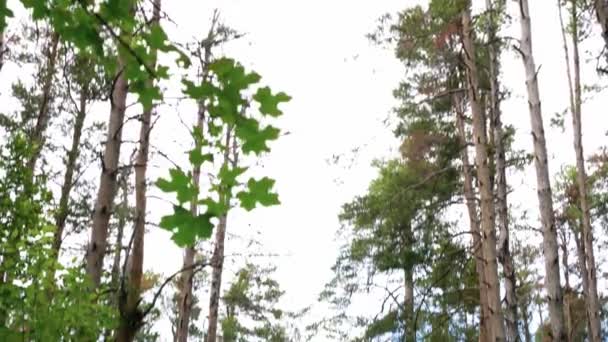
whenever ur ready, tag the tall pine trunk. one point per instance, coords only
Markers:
(130, 316)
(496, 320)
(593, 305)
(470, 200)
(589, 271)
(504, 248)
(550, 247)
(70, 167)
(96, 249)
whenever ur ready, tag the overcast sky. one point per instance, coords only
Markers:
(341, 86)
(316, 51)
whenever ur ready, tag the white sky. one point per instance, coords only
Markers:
(341, 85)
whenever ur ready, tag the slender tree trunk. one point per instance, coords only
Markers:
(45, 103)
(504, 249)
(130, 317)
(2, 49)
(68, 177)
(96, 249)
(550, 247)
(593, 305)
(216, 279)
(408, 303)
(185, 297)
(496, 320)
(567, 288)
(217, 260)
(469, 196)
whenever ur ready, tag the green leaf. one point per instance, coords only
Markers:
(269, 103)
(228, 175)
(254, 139)
(258, 192)
(197, 158)
(198, 92)
(179, 183)
(187, 228)
(157, 37)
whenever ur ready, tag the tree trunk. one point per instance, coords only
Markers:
(408, 303)
(217, 260)
(68, 178)
(504, 249)
(469, 196)
(593, 305)
(550, 248)
(216, 279)
(496, 320)
(526, 322)
(43, 109)
(96, 248)
(130, 317)
(185, 297)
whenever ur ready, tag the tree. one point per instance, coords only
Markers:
(251, 304)
(550, 246)
(575, 88)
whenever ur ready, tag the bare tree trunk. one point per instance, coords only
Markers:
(567, 287)
(526, 322)
(2, 49)
(185, 297)
(43, 109)
(408, 303)
(217, 260)
(469, 196)
(504, 250)
(96, 248)
(496, 320)
(130, 317)
(550, 247)
(68, 177)
(216, 279)
(593, 305)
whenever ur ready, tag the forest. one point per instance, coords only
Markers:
(396, 171)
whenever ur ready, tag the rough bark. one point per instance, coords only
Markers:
(582, 266)
(504, 249)
(68, 177)
(96, 249)
(469, 196)
(550, 247)
(42, 119)
(130, 316)
(496, 319)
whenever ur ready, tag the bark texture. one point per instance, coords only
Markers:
(589, 269)
(470, 200)
(131, 318)
(96, 250)
(550, 246)
(496, 319)
(502, 206)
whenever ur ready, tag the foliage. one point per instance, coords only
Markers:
(251, 307)
(226, 104)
